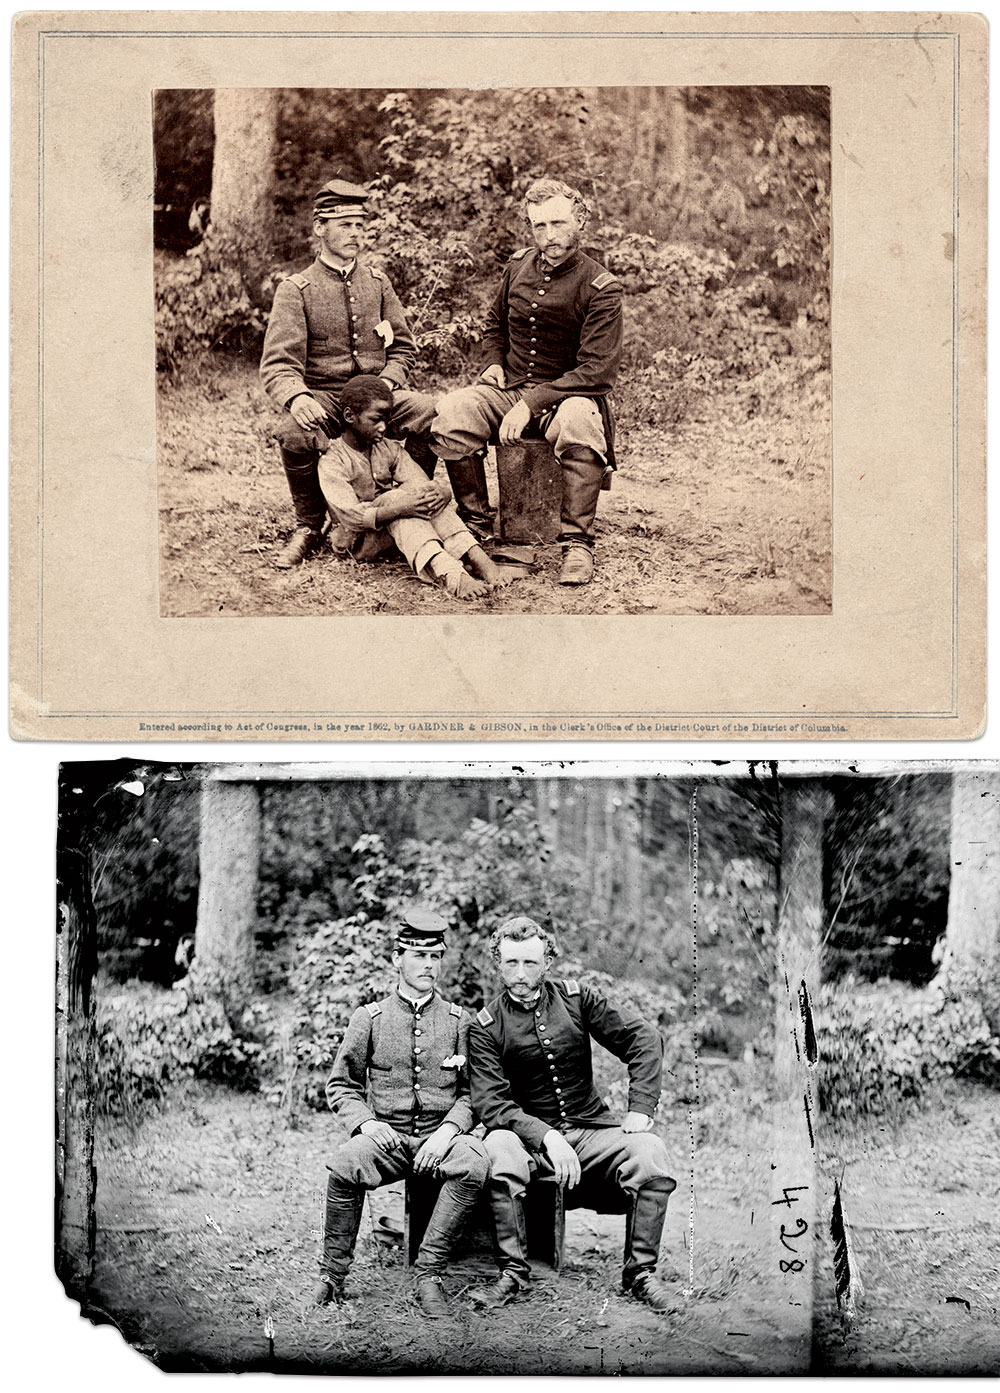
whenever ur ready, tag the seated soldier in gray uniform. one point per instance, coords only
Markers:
(338, 318)
(400, 1087)
(553, 346)
(533, 1087)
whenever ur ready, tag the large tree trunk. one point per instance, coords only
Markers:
(246, 128)
(229, 855)
(804, 809)
(972, 941)
(76, 1046)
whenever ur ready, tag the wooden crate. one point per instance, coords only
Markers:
(530, 485)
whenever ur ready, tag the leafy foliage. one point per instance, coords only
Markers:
(210, 298)
(712, 204)
(149, 1039)
(881, 1046)
(491, 871)
(888, 872)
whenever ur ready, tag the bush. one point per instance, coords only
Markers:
(880, 1047)
(149, 1039)
(210, 298)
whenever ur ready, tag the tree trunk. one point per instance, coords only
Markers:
(972, 941)
(242, 207)
(246, 126)
(76, 1048)
(675, 138)
(229, 855)
(804, 810)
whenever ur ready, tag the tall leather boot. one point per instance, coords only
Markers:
(472, 500)
(455, 1200)
(582, 476)
(418, 448)
(643, 1231)
(340, 1233)
(310, 507)
(510, 1247)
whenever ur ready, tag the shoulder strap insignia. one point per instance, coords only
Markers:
(376, 273)
(454, 1010)
(520, 253)
(572, 986)
(484, 1017)
(602, 281)
(373, 1009)
(299, 279)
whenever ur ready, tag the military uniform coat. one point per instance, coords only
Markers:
(391, 1066)
(327, 327)
(556, 331)
(531, 1068)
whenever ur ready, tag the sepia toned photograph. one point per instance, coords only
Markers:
(583, 333)
(545, 1071)
(591, 284)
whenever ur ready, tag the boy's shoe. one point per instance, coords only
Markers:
(302, 543)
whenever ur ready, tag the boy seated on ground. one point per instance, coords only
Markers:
(380, 498)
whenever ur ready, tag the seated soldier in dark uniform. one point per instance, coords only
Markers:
(533, 1087)
(400, 1087)
(338, 318)
(553, 346)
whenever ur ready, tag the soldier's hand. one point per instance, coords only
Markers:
(381, 1134)
(306, 412)
(513, 425)
(636, 1122)
(565, 1161)
(495, 376)
(432, 1153)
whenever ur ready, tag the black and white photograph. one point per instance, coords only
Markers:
(673, 322)
(531, 350)
(562, 1069)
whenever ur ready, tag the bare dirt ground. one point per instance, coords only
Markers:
(209, 1228)
(922, 1200)
(728, 513)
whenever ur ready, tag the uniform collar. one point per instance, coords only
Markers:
(528, 1006)
(343, 272)
(415, 1006)
(564, 266)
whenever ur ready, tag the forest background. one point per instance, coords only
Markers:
(711, 205)
(234, 919)
(237, 919)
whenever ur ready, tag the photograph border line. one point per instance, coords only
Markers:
(589, 36)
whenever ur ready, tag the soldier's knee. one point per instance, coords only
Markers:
(646, 1159)
(291, 437)
(469, 1157)
(352, 1162)
(507, 1157)
(577, 411)
(460, 419)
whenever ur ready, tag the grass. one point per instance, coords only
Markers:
(727, 513)
(208, 1225)
(921, 1198)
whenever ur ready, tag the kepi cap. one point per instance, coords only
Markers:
(420, 928)
(339, 199)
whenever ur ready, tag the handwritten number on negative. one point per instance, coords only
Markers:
(786, 1236)
(788, 1191)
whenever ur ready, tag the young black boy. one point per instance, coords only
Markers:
(380, 497)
